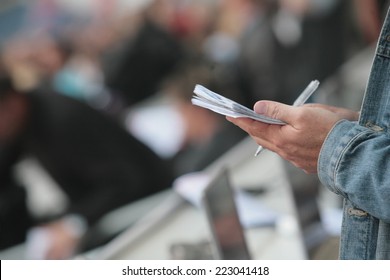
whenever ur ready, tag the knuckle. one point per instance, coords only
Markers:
(275, 112)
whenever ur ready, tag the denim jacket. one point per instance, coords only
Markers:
(354, 162)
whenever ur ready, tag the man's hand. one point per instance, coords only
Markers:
(301, 139)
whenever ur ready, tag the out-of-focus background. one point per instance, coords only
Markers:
(137, 61)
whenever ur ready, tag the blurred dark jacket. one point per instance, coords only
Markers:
(95, 161)
(148, 57)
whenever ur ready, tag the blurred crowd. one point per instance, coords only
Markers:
(116, 58)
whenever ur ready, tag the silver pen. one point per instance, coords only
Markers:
(302, 98)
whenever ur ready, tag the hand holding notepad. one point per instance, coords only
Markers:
(213, 101)
(210, 100)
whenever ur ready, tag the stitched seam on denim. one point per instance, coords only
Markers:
(383, 51)
(367, 233)
(366, 236)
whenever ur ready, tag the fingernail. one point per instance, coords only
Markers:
(260, 108)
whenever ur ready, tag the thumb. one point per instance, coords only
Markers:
(275, 110)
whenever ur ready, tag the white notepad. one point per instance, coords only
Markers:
(213, 101)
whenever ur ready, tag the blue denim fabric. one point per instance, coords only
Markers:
(354, 162)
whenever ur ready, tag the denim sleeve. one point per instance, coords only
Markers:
(354, 162)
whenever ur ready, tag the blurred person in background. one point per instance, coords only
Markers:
(146, 56)
(97, 164)
(290, 43)
(110, 60)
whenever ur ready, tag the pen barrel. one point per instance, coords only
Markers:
(305, 95)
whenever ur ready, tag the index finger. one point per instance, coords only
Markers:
(254, 128)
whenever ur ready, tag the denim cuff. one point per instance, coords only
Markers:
(332, 151)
